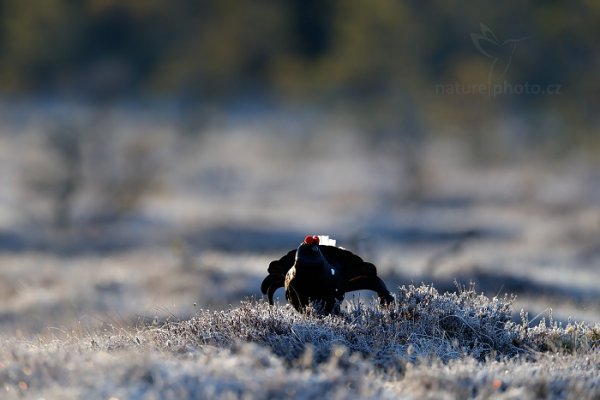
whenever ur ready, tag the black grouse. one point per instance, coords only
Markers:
(321, 274)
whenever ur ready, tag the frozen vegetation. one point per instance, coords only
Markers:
(452, 345)
(145, 284)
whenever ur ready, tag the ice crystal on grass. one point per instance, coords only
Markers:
(422, 324)
(428, 345)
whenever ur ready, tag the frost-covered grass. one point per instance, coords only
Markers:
(235, 196)
(422, 323)
(429, 345)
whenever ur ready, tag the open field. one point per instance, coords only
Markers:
(88, 279)
(429, 346)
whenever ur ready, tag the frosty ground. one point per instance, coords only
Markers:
(149, 304)
(460, 345)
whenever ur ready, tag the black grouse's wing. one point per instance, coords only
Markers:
(357, 274)
(349, 264)
(276, 278)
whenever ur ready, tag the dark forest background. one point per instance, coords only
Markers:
(382, 61)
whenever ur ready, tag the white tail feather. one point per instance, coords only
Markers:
(325, 240)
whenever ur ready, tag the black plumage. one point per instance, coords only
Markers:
(321, 275)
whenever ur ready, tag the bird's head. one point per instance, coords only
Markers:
(312, 240)
(308, 252)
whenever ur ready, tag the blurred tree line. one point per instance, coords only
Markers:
(379, 56)
(400, 69)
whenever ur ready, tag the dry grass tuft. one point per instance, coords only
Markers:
(429, 345)
(423, 323)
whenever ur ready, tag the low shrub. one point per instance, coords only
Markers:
(422, 324)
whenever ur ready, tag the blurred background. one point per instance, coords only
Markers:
(155, 156)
